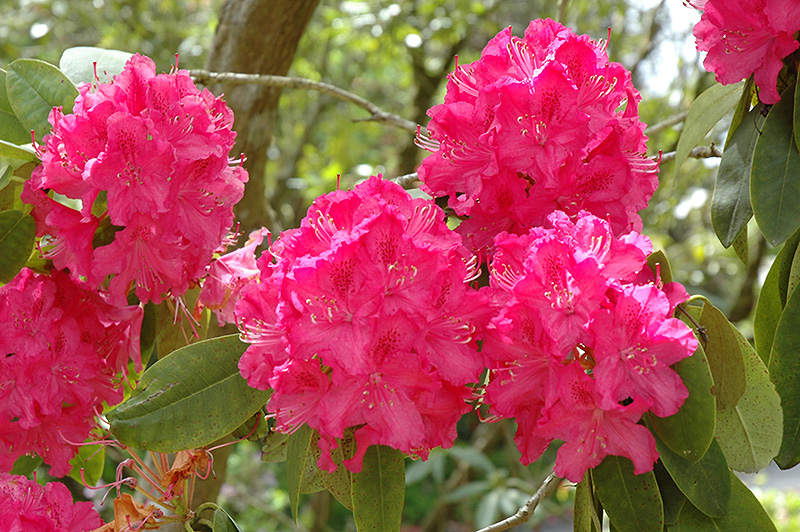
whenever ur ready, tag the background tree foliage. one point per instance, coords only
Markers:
(397, 54)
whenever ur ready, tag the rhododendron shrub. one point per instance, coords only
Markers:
(540, 123)
(744, 37)
(145, 160)
(62, 347)
(26, 506)
(584, 342)
(363, 318)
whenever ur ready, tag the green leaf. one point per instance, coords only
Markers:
(690, 431)
(796, 114)
(586, 518)
(730, 205)
(275, 448)
(17, 233)
(13, 151)
(705, 112)
(786, 257)
(26, 464)
(299, 453)
(188, 399)
(671, 495)
(34, 88)
(223, 522)
(745, 514)
(742, 108)
(750, 433)
(339, 483)
(10, 127)
(741, 247)
(632, 502)
(175, 330)
(92, 459)
(775, 177)
(794, 273)
(658, 262)
(724, 355)
(379, 490)
(706, 482)
(78, 63)
(768, 311)
(784, 370)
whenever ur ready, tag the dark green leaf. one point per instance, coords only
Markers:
(796, 114)
(299, 453)
(706, 483)
(690, 431)
(223, 522)
(92, 459)
(742, 108)
(188, 399)
(586, 515)
(632, 502)
(339, 483)
(786, 257)
(658, 262)
(775, 177)
(10, 127)
(26, 464)
(671, 495)
(34, 88)
(745, 514)
(750, 433)
(768, 311)
(17, 233)
(275, 448)
(724, 355)
(379, 490)
(784, 370)
(78, 63)
(175, 331)
(730, 205)
(311, 481)
(705, 112)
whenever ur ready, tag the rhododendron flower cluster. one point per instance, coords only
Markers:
(540, 123)
(362, 318)
(25, 506)
(583, 343)
(147, 157)
(744, 37)
(61, 348)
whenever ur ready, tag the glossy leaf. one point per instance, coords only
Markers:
(632, 502)
(744, 514)
(379, 490)
(750, 433)
(26, 464)
(705, 112)
(92, 459)
(11, 129)
(768, 311)
(17, 233)
(706, 482)
(299, 453)
(724, 355)
(658, 262)
(690, 431)
(730, 205)
(13, 151)
(189, 399)
(775, 177)
(784, 370)
(223, 522)
(78, 63)
(34, 88)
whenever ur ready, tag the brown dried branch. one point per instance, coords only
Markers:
(523, 514)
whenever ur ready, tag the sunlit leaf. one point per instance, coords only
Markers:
(17, 233)
(26, 464)
(78, 63)
(299, 454)
(11, 129)
(724, 355)
(379, 490)
(658, 262)
(775, 177)
(632, 502)
(189, 399)
(14, 151)
(92, 459)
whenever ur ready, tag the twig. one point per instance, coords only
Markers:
(700, 152)
(377, 114)
(664, 124)
(523, 514)
(407, 180)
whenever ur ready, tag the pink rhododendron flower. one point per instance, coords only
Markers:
(146, 158)
(227, 276)
(583, 343)
(744, 37)
(26, 506)
(538, 124)
(362, 318)
(61, 349)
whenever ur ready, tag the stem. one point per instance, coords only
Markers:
(562, 11)
(523, 514)
(378, 115)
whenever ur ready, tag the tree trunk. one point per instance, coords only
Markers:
(259, 37)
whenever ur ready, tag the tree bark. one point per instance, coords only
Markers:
(257, 37)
